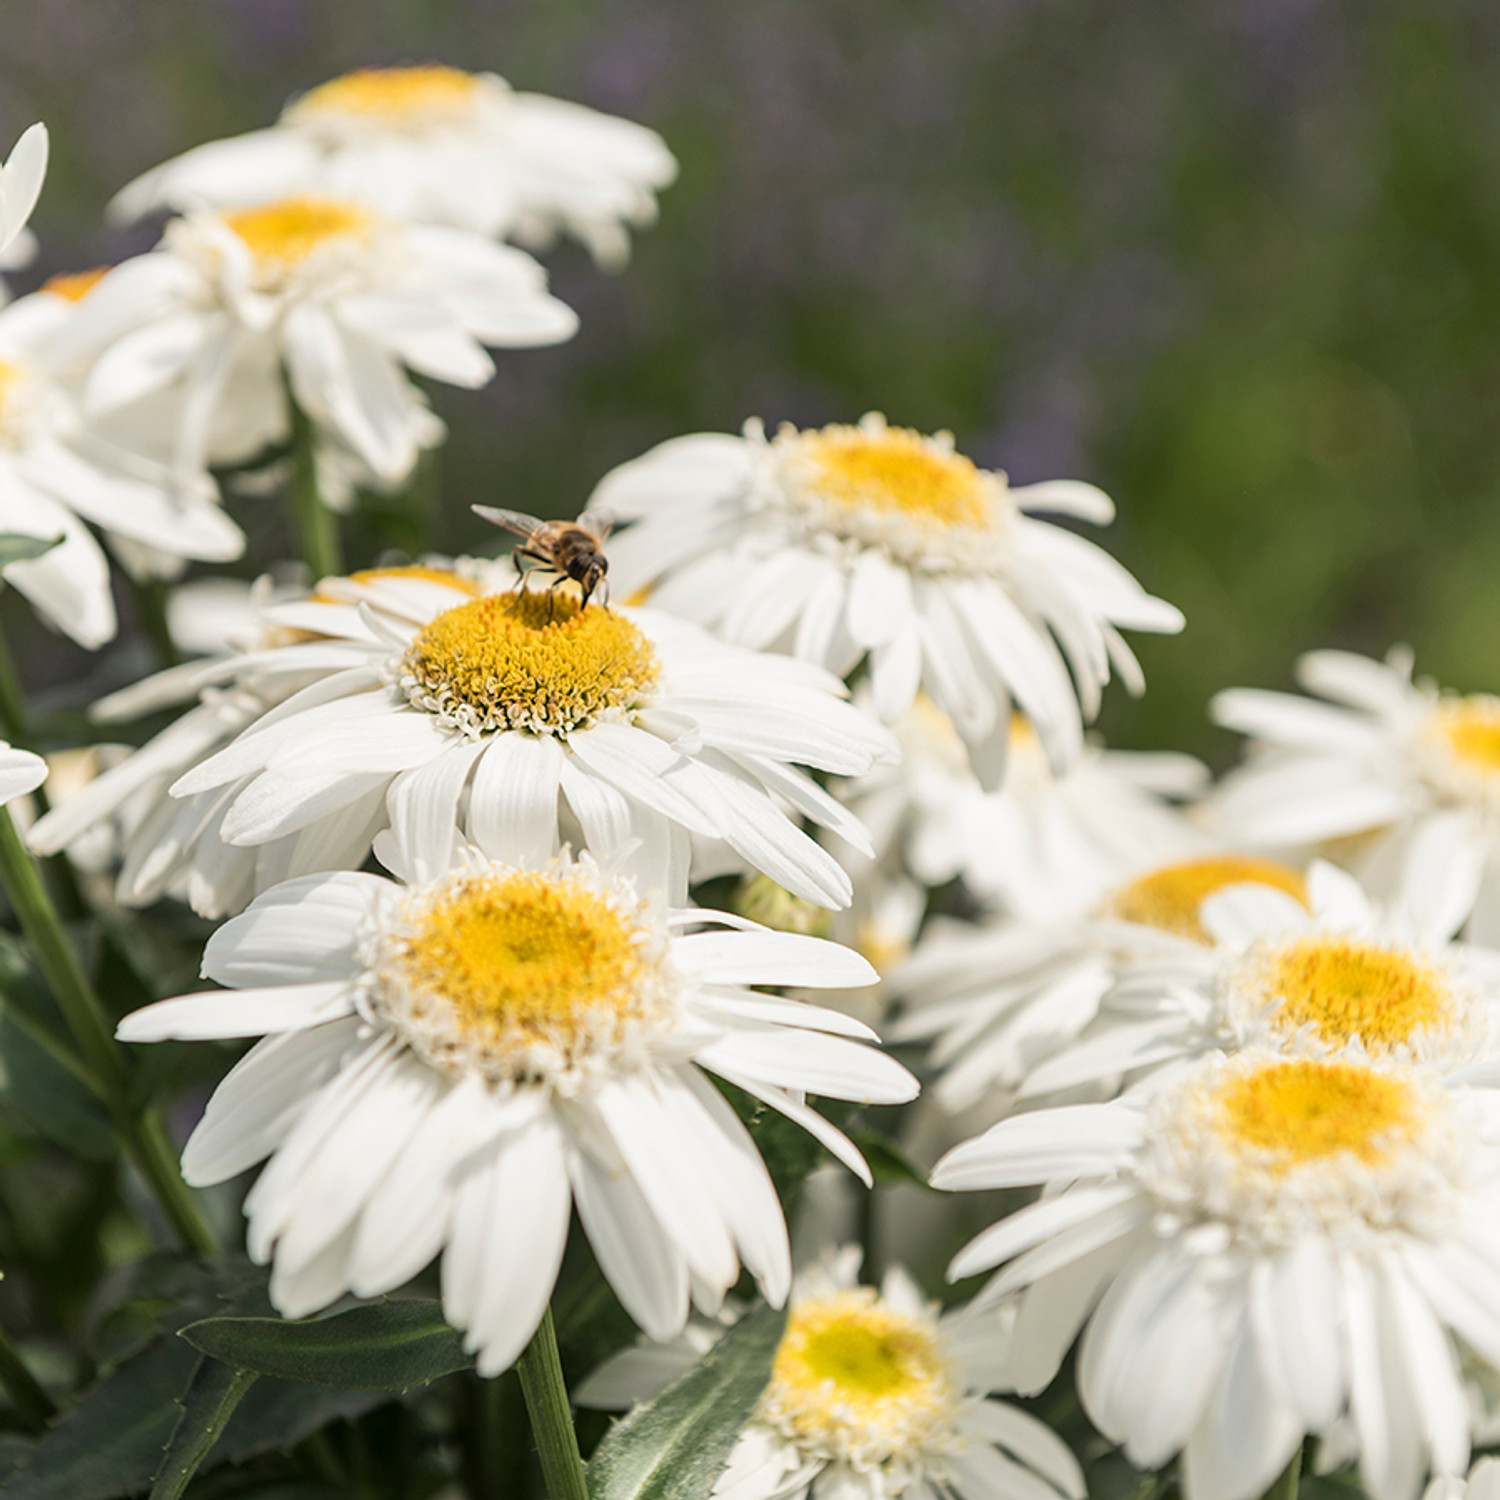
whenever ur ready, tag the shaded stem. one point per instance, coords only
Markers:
(1285, 1487)
(317, 526)
(540, 1369)
(12, 700)
(33, 1405)
(150, 595)
(143, 1137)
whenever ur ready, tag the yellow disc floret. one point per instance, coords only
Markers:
(895, 470)
(421, 95)
(520, 974)
(1171, 898)
(1348, 990)
(285, 233)
(74, 286)
(1299, 1111)
(528, 661)
(1470, 728)
(855, 1379)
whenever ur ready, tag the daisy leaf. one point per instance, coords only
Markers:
(17, 548)
(675, 1447)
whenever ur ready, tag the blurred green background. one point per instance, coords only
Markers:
(1237, 261)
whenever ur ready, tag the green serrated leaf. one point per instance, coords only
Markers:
(111, 1443)
(211, 1398)
(382, 1346)
(278, 1414)
(675, 1447)
(16, 548)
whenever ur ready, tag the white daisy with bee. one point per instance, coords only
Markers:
(1265, 1248)
(874, 1393)
(874, 544)
(454, 1065)
(197, 344)
(416, 709)
(1397, 778)
(440, 146)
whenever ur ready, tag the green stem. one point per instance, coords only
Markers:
(1285, 1487)
(12, 700)
(150, 595)
(33, 1405)
(143, 1136)
(317, 526)
(546, 1394)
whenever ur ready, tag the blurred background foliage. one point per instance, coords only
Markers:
(1237, 261)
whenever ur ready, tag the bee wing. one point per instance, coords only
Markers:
(600, 522)
(511, 520)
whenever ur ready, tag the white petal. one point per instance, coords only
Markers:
(513, 800)
(235, 1013)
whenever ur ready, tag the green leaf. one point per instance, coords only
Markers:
(47, 1098)
(209, 1404)
(16, 548)
(278, 1414)
(675, 1447)
(112, 1442)
(382, 1346)
(889, 1164)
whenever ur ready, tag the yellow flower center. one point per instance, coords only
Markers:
(10, 377)
(1348, 991)
(74, 286)
(529, 661)
(1301, 1111)
(424, 94)
(853, 1377)
(895, 471)
(518, 973)
(1470, 728)
(283, 234)
(1171, 898)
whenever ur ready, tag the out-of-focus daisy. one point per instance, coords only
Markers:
(429, 710)
(1407, 774)
(1331, 973)
(455, 1065)
(1047, 842)
(846, 543)
(1481, 1483)
(189, 342)
(1259, 1250)
(1003, 1002)
(20, 186)
(57, 473)
(439, 146)
(873, 1395)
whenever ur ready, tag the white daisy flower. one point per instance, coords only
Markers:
(189, 341)
(1481, 1483)
(20, 772)
(1321, 972)
(58, 473)
(1407, 774)
(1263, 1248)
(439, 146)
(872, 541)
(1047, 841)
(453, 1066)
(873, 1395)
(427, 710)
(1003, 1003)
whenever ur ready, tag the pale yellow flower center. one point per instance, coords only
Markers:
(283, 234)
(528, 661)
(74, 286)
(895, 471)
(422, 94)
(521, 959)
(1171, 898)
(1292, 1113)
(1470, 728)
(11, 376)
(1349, 991)
(854, 1377)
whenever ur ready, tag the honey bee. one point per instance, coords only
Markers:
(567, 548)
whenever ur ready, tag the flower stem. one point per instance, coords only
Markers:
(551, 1414)
(1285, 1487)
(142, 1135)
(150, 595)
(317, 526)
(33, 1405)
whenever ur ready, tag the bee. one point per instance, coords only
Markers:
(567, 548)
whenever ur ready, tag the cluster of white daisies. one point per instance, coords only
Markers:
(1237, 1042)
